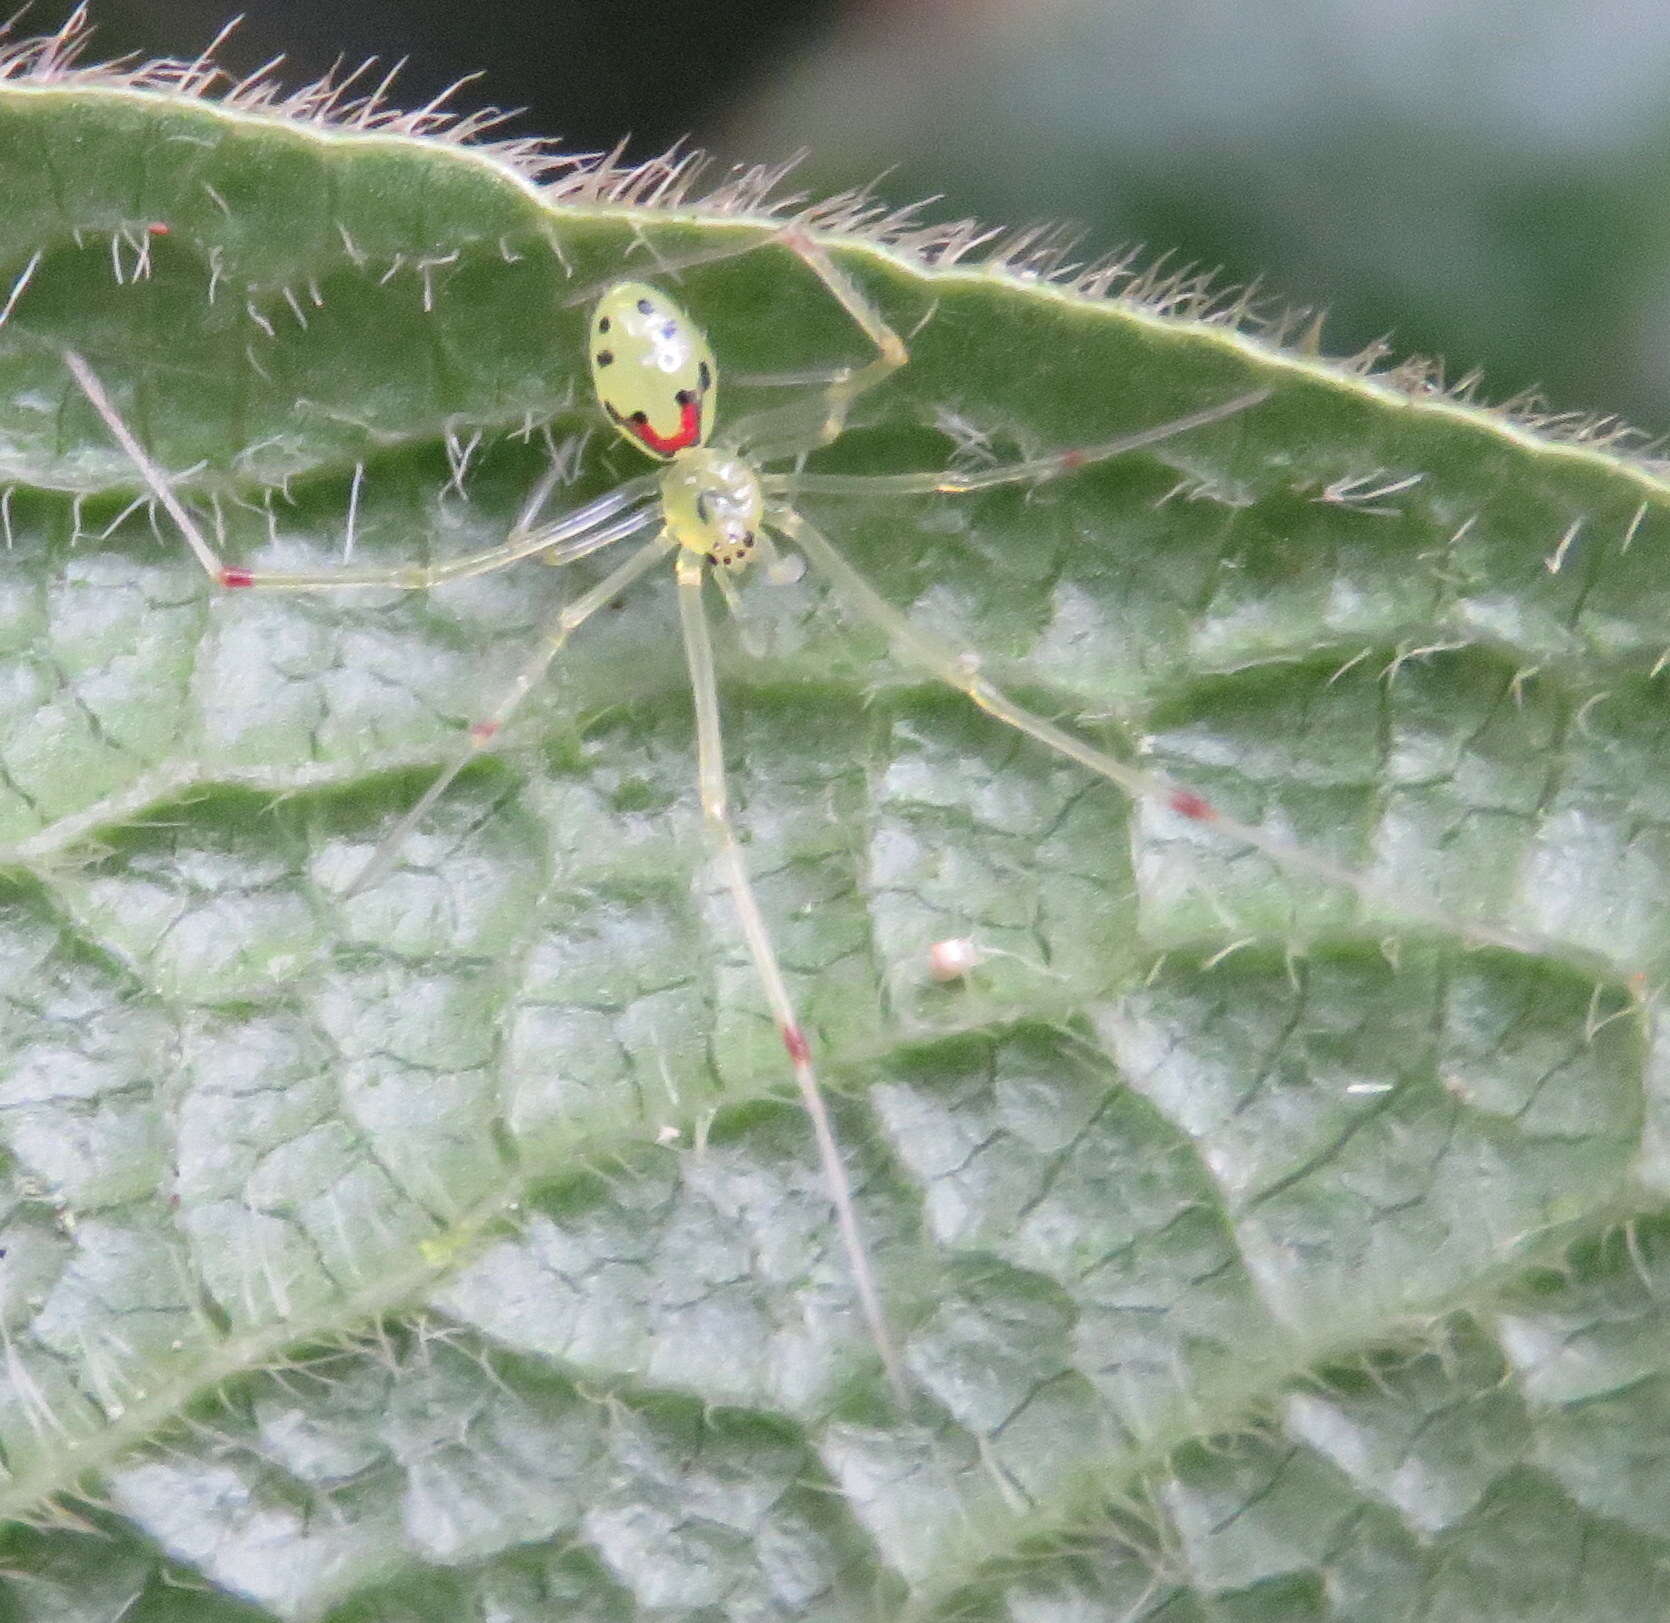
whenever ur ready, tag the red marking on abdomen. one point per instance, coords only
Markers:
(794, 1040)
(236, 577)
(157, 229)
(1072, 459)
(689, 431)
(1186, 803)
(481, 731)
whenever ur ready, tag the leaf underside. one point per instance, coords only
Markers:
(1258, 1249)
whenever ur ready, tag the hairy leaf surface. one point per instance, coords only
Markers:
(1259, 1248)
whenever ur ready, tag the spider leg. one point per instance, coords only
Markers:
(961, 670)
(807, 425)
(662, 266)
(481, 733)
(956, 482)
(728, 853)
(576, 534)
(806, 377)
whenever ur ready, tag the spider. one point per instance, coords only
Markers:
(713, 509)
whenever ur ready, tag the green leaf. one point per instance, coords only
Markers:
(1259, 1247)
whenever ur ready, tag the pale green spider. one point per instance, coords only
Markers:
(713, 509)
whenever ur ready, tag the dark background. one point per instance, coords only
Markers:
(1482, 180)
(588, 71)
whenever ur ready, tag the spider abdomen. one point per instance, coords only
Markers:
(652, 369)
